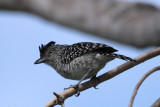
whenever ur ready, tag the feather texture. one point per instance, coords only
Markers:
(76, 50)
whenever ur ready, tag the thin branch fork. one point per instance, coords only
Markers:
(140, 82)
(106, 76)
(59, 99)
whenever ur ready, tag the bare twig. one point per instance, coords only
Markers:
(156, 103)
(140, 82)
(108, 75)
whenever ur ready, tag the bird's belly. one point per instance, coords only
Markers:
(76, 73)
(80, 66)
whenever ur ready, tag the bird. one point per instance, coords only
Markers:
(79, 61)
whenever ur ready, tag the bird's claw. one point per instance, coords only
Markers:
(95, 87)
(94, 78)
(76, 87)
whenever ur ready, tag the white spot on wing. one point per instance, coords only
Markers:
(98, 56)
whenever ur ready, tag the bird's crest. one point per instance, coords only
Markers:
(43, 48)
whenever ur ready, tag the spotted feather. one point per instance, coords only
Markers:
(76, 50)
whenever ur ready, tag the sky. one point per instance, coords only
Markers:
(23, 84)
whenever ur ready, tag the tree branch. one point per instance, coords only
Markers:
(140, 82)
(108, 75)
(156, 103)
(135, 24)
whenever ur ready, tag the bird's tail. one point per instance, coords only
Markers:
(123, 57)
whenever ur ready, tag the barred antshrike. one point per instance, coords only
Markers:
(79, 61)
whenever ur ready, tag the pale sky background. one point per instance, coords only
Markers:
(23, 84)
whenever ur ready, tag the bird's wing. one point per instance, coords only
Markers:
(76, 50)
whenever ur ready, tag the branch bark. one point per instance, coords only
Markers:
(139, 84)
(135, 24)
(106, 76)
(156, 103)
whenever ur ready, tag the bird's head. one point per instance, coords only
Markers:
(45, 53)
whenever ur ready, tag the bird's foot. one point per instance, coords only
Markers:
(76, 87)
(94, 78)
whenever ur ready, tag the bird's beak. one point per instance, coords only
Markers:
(41, 60)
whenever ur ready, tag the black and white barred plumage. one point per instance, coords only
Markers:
(76, 50)
(74, 61)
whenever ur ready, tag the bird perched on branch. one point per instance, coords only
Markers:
(79, 61)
